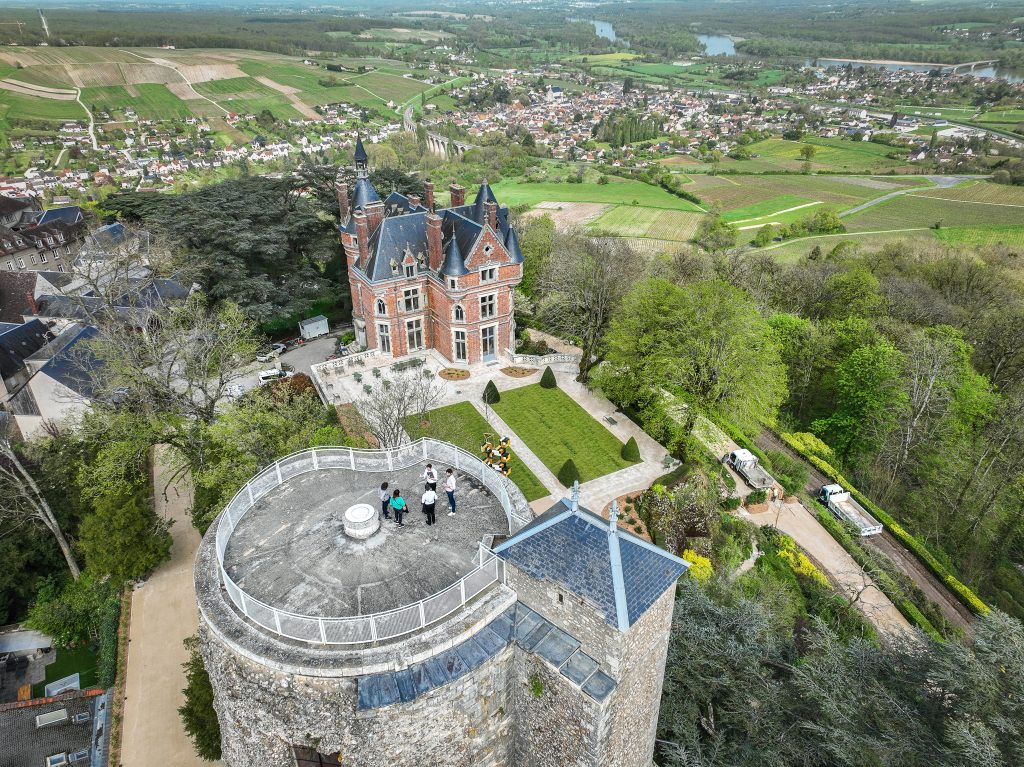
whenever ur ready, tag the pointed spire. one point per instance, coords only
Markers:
(574, 503)
(613, 518)
(360, 151)
(454, 265)
(483, 195)
(512, 246)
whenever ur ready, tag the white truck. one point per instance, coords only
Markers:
(747, 466)
(843, 505)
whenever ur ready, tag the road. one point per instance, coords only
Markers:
(953, 610)
(46, 27)
(92, 120)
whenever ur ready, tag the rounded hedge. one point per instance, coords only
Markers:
(547, 379)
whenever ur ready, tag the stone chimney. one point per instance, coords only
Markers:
(491, 214)
(414, 200)
(374, 215)
(428, 188)
(435, 257)
(341, 189)
(458, 195)
(362, 236)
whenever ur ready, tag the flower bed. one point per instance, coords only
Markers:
(453, 374)
(514, 371)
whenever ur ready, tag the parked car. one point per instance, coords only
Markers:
(273, 374)
(271, 352)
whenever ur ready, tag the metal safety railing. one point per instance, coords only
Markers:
(360, 629)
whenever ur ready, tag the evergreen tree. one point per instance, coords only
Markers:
(547, 379)
(491, 395)
(198, 714)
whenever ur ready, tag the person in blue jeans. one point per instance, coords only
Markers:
(398, 506)
(385, 500)
(449, 488)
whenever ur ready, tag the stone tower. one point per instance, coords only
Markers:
(492, 639)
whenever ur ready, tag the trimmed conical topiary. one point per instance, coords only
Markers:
(491, 396)
(568, 473)
(631, 451)
(547, 379)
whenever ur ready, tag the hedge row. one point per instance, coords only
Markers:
(885, 582)
(959, 589)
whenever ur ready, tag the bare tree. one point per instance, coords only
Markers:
(582, 285)
(395, 398)
(22, 502)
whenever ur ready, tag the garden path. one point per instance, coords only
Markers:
(527, 456)
(164, 613)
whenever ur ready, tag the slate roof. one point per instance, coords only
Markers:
(16, 288)
(360, 153)
(393, 236)
(518, 624)
(365, 194)
(17, 342)
(12, 205)
(71, 366)
(454, 264)
(22, 745)
(619, 573)
(70, 214)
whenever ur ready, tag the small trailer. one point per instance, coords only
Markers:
(747, 466)
(314, 327)
(843, 505)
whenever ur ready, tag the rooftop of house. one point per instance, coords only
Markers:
(617, 572)
(290, 550)
(22, 744)
(19, 342)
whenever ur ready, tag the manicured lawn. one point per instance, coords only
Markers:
(463, 426)
(615, 192)
(81, 660)
(556, 428)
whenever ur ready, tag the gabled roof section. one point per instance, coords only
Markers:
(393, 236)
(512, 246)
(73, 367)
(619, 573)
(397, 204)
(71, 214)
(17, 342)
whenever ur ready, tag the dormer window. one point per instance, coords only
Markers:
(410, 270)
(459, 314)
(382, 308)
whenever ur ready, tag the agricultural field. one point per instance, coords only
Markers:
(765, 208)
(832, 155)
(981, 192)
(648, 223)
(15, 106)
(794, 250)
(605, 58)
(980, 236)
(150, 101)
(735, 192)
(921, 210)
(615, 192)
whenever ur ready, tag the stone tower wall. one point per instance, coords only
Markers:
(467, 723)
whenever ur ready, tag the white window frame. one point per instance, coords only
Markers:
(411, 299)
(384, 337)
(10, 266)
(21, 263)
(488, 274)
(410, 270)
(380, 306)
(42, 258)
(458, 313)
(412, 325)
(492, 302)
(60, 267)
(456, 341)
(483, 330)
(453, 284)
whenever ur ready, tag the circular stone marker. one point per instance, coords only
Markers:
(361, 521)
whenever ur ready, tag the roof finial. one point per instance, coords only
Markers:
(575, 505)
(613, 517)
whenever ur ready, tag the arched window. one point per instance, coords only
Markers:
(382, 308)
(459, 313)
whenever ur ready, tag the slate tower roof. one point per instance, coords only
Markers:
(621, 574)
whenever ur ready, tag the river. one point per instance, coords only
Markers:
(605, 30)
(718, 45)
(1010, 75)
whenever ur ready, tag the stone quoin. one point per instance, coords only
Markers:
(496, 641)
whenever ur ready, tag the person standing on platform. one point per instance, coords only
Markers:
(449, 488)
(430, 474)
(398, 506)
(385, 500)
(429, 500)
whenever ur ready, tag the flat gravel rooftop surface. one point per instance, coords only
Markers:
(291, 552)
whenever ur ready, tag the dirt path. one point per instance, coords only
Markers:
(164, 613)
(955, 612)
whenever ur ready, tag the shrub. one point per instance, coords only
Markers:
(491, 396)
(568, 473)
(700, 567)
(758, 496)
(729, 504)
(124, 538)
(197, 714)
(106, 662)
(631, 450)
(547, 379)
